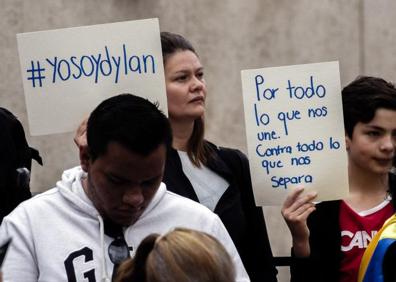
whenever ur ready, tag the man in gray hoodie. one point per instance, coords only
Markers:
(98, 213)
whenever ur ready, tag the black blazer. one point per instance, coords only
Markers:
(236, 208)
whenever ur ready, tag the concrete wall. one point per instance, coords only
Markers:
(230, 36)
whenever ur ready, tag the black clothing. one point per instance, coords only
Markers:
(325, 240)
(236, 208)
(388, 265)
(15, 163)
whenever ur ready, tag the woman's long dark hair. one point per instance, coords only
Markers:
(198, 150)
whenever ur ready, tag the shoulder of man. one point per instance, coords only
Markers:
(169, 210)
(183, 203)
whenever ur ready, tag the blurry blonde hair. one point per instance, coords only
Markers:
(182, 255)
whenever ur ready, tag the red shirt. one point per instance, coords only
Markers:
(357, 230)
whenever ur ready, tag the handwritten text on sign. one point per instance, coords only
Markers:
(67, 72)
(295, 131)
(97, 67)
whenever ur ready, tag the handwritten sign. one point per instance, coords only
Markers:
(67, 72)
(295, 131)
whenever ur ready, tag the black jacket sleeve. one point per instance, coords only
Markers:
(325, 242)
(255, 251)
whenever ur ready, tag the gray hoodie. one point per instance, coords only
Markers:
(59, 235)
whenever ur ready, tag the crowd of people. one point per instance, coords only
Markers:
(153, 200)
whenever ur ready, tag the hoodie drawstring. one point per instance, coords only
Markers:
(105, 276)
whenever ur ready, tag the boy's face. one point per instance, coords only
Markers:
(372, 146)
(121, 183)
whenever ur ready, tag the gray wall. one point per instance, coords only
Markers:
(230, 36)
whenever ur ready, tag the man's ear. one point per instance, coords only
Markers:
(347, 142)
(84, 157)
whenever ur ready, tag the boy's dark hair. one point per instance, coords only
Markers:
(362, 97)
(129, 120)
(15, 163)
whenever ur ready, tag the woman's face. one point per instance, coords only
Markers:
(185, 86)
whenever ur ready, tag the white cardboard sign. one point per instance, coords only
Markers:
(66, 73)
(295, 131)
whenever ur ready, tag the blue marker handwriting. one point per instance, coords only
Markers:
(270, 155)
(284, 181)
(294, 91)
(95, 66)
(274, 159)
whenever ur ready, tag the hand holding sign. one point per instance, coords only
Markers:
(295, 131)
(295, 211)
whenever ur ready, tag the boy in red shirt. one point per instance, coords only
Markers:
(329, 238)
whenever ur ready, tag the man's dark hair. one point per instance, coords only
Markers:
(129, 120)
(362, 97)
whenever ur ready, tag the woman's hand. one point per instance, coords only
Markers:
(295, 211)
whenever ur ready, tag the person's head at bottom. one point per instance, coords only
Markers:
(181, 255)
(124, 159)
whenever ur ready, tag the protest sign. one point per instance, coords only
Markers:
(295, 131)
(68, 72)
